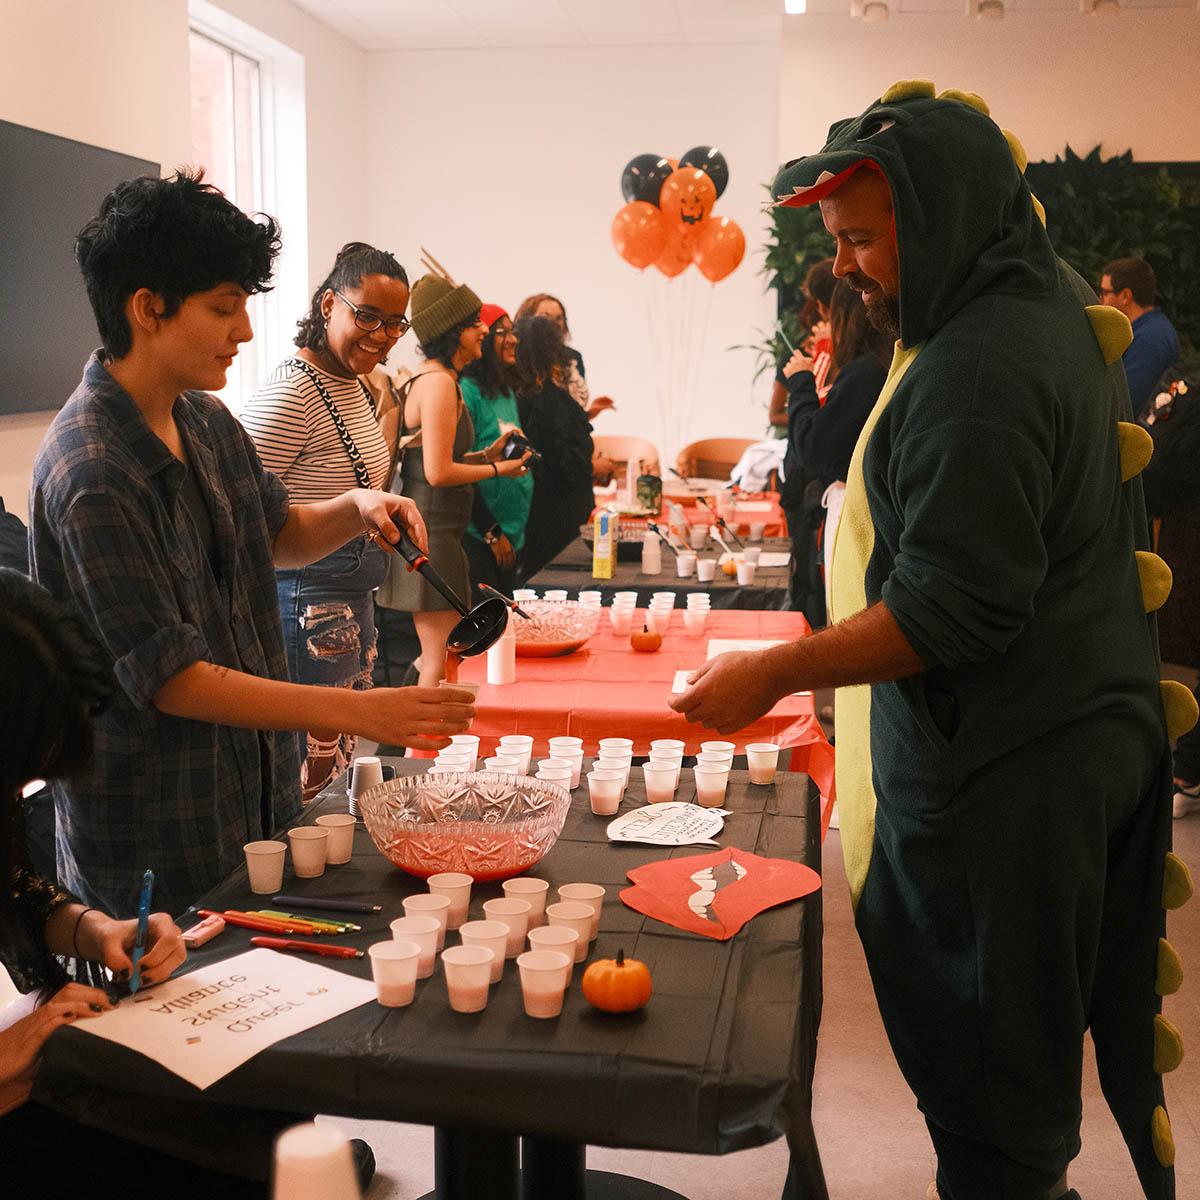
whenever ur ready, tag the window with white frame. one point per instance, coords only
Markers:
(247, 104)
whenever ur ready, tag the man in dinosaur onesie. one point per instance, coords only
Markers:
(1003, 762)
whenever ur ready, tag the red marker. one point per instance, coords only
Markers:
(263, 924)
(273, 943)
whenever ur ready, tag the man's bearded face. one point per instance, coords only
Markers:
(859, 215)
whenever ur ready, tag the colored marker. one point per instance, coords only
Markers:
(316, 922)
(354, 906)
(264, 924)
(273, 943)
(143, 929)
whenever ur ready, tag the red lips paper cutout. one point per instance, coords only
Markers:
(715, 894)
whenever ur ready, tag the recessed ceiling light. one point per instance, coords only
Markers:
(795, 8)
(875, 11)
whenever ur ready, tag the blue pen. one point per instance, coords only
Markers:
(143, 928)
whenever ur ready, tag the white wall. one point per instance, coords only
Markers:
(507, 166)
(1127, 81)
(114, 73)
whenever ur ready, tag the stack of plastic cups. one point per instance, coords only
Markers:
(571, 749)
(591, 599)
(658, 616)
(695, 616)
(668, 751)
(519, 746)
(468, 741)
(522, 595)
(624, 606)
(556, 595)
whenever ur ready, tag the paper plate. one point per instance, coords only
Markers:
(675, 823)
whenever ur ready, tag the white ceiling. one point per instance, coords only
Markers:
(482, 24)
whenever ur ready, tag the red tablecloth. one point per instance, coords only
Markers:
(608, 690)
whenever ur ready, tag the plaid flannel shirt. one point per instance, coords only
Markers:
(111, 534)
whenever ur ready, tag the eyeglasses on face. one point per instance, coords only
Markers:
(369, 321)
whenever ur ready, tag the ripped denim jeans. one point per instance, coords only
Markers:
(328, 614)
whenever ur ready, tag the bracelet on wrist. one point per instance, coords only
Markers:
(75, 934)
(495, 470)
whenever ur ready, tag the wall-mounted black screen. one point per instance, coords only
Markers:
(49, 188)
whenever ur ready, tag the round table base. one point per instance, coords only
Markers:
(604, 1185)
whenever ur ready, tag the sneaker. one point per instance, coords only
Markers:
(364, 1163)
(1187, 799)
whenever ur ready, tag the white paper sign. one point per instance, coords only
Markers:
(774, 558)
(672, 824)
(723, 645)
(205, 1024)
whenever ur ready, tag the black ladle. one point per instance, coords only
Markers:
(480, 628)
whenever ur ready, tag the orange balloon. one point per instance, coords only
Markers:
(677, 255)
(639, 233)
(687, 196)
(674, 163)
(718, 248)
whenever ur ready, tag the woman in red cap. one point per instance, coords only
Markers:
(496, 534)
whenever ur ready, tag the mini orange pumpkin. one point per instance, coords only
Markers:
(729, 566)
(620, 985)
(645, 640)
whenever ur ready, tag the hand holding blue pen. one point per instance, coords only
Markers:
(143, 927)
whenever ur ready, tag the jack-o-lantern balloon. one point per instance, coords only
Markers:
(677, 254)
(718, 247)
(639, 233)
(687, 197)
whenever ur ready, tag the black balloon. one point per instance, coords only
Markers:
(711, 161)
(643, 178)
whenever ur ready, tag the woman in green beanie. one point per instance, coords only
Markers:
(439, 469)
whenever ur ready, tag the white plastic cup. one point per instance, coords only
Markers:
(663, 598)
(574, 758)
(422, 932)
(521, 594)
(722, 758)
(502, 659)
(685, 564)
(543, 981)
(514, 913)
(698, 536)
(314, 1162)
(568, 914)
(706, 569)
(365, 773)
(503, 765)
(493, 935)
(674, 761)
(468, 971)
(698, 600)
(751, 554)
(604, 792)
(340, 846)
(264, 865)
(533, 892)
(657, 619)
(757, 529)
(467, 741)
(308, 844)
(711, 781)
(591, 599)
(621, 744)
(557, 774)
(473, 688)
(517, 745)
(763, 760)
(612, 763)
(659, 778)
(625, 597)
(556, 937)
(456, 887)
(670, 745)
(564, 742)
(745, 572)
(694, 621)
(394, 967)
(555, 595)
(460, 760)
(622, 619)
(718, 748)
(585, 893)
(425, 904)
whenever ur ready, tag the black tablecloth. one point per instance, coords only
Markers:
(572, 569)
(720, 1059)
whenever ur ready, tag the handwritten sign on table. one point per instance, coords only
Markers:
(675, 823)
(205, 1024)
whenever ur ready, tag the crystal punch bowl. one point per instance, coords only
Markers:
(555, 627)
(485, 824)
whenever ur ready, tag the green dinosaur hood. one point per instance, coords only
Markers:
(966, 221)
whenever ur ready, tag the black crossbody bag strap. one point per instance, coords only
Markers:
(356, 459)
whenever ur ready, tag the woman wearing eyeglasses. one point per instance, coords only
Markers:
(315, 425)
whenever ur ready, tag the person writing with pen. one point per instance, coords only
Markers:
(151, 513)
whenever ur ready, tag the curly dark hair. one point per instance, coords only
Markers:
(354, 260)
(175, 236)
(53, 679)
(443, 347)
(540, 348)
(489, 371)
